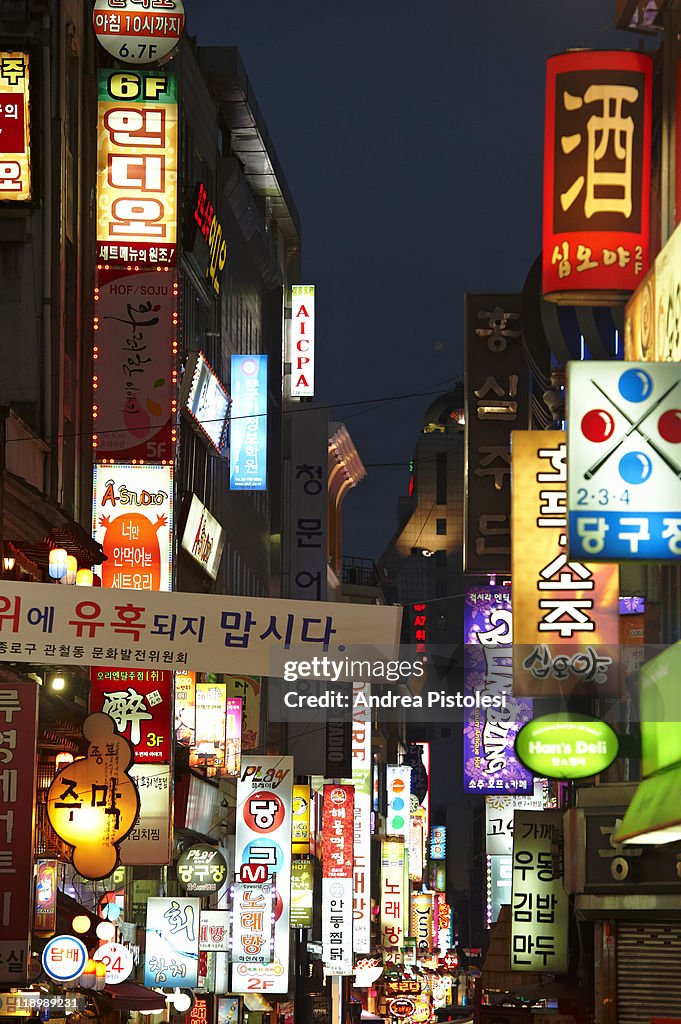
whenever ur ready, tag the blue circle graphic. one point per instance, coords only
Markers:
(397, 803)
(635, 467)
(264, 851)
(635, 385)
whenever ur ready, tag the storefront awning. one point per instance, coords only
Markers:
(255, 1002)
(654, 815)
(127, 996)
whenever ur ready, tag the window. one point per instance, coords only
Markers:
(441, 527)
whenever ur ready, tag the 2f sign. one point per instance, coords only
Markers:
(302, 341)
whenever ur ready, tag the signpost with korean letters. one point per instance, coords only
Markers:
(489, 761)
(309, 500)
(539, 904)
(203, 538)
(137, 156)
(499, 812)
(624, 461)
(213, 931)
(302, 893)
(263, 839)
(139, 701)
(134, 397)
(597, 159)
(302, 340)
(361, 762)
(497, 402)
(151, 838)
(138, 36)
(566, 611)
(18, 735)
(171, 958)
(252, 922)
(248, 428)
(15, 127)
(337, 888)
(249, 689)
(217, 740)
(393, 896)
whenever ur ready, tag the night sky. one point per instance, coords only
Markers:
(410, 135)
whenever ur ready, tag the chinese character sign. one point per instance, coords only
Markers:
(135, 343)
(93, 802)
(18, 733)
(393, 895)
(302, 334)
(137, 168)
(248, 428)
(252, 922)
(496, 402)
(624, 461)
(489, 761)
(597, 146)
(539, 905)
(172, 942)
(263, 837)
(132, 512)
(15, 140)
(138, 700)
(565, 610)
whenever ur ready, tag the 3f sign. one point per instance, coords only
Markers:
(302, 341)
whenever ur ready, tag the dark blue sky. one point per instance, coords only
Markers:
(410, 135)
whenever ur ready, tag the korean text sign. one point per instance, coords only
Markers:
(597, 146)
(624, 461)
(337, 888)
(248, 428)
(566, 611)
(393, 896)
(150, 841)
(15, 144)
(252, 922)
(137, 168)
(139, 701)
(172, 949)
(18, 733)
(539, 905)
(263, 838)
(138, 36)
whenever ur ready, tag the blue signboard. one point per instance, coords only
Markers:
(248, 429)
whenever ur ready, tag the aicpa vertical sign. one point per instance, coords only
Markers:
(302, 336)
(597, 149)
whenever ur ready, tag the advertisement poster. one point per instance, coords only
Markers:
(138, 700)
(248, 429)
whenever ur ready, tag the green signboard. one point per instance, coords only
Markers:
(566, 746)
(661, 711)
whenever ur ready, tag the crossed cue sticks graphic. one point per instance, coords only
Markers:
(635, 427)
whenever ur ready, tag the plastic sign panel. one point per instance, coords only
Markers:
(135, 377)
(205, 400)
(203, 538)
(210, 229)
(651, 326)
(499, 883)
(302, 340)
(393, 895)
(539, 904)
(132, 513)
(217, 740)
(185, 708)
(249, 688)
(117, 959)
(45, 907)
(493, 718)
(337, 888)
(597, 146)
(139, 701)
(15, 127)
(18, 737)
(213, 931)
(566, 611)
(438, 842)
(248, 430)
(137, 168)
(264, 796)
(566, 746)
(624, 461)
(300, 833)
(398, 789)
(172, 942)
(93, 802)
(252, 922)
(150, 841)
(499, 812)
(138, 35)
(64, 958)
(361, 763)
(201, 870)
(422, 927)
(302, 891)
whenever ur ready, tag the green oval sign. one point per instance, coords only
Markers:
(565, 746)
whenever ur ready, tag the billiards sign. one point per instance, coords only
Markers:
(624, 461)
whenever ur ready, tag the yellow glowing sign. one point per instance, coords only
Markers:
(15, 146)
(137, 168)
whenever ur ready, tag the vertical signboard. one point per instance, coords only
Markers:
(217, 738)
(309, 502)
(139, 701)
(172, 942)
(300, 830)
(624, 461)
(597, 158)
(203, 538)
(422, 925)
(252, 922)
(499, 878)
(337, 888)
(361, 780)
(539, 905)
(150, 841)
(135, 379)
(438, 842)
(18, 735)
(248, 688)
(132, 514)
(263, 837)
(392, 896)
(302, 341)
(137, 151)
(15, 127)
(489, 761)
(248, 427)
(398, 791)
(302, 891)
(566, 612)
(497, 402)
(499, 812)
(185, 708)
(45, 909)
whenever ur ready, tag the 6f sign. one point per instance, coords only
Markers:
(624, 461)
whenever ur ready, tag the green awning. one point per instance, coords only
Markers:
(654, 815)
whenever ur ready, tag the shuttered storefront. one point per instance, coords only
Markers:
(648, 972)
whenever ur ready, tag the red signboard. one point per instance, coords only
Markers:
(597, 146)
(138, 700)
(18, 735)
(338, 831)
